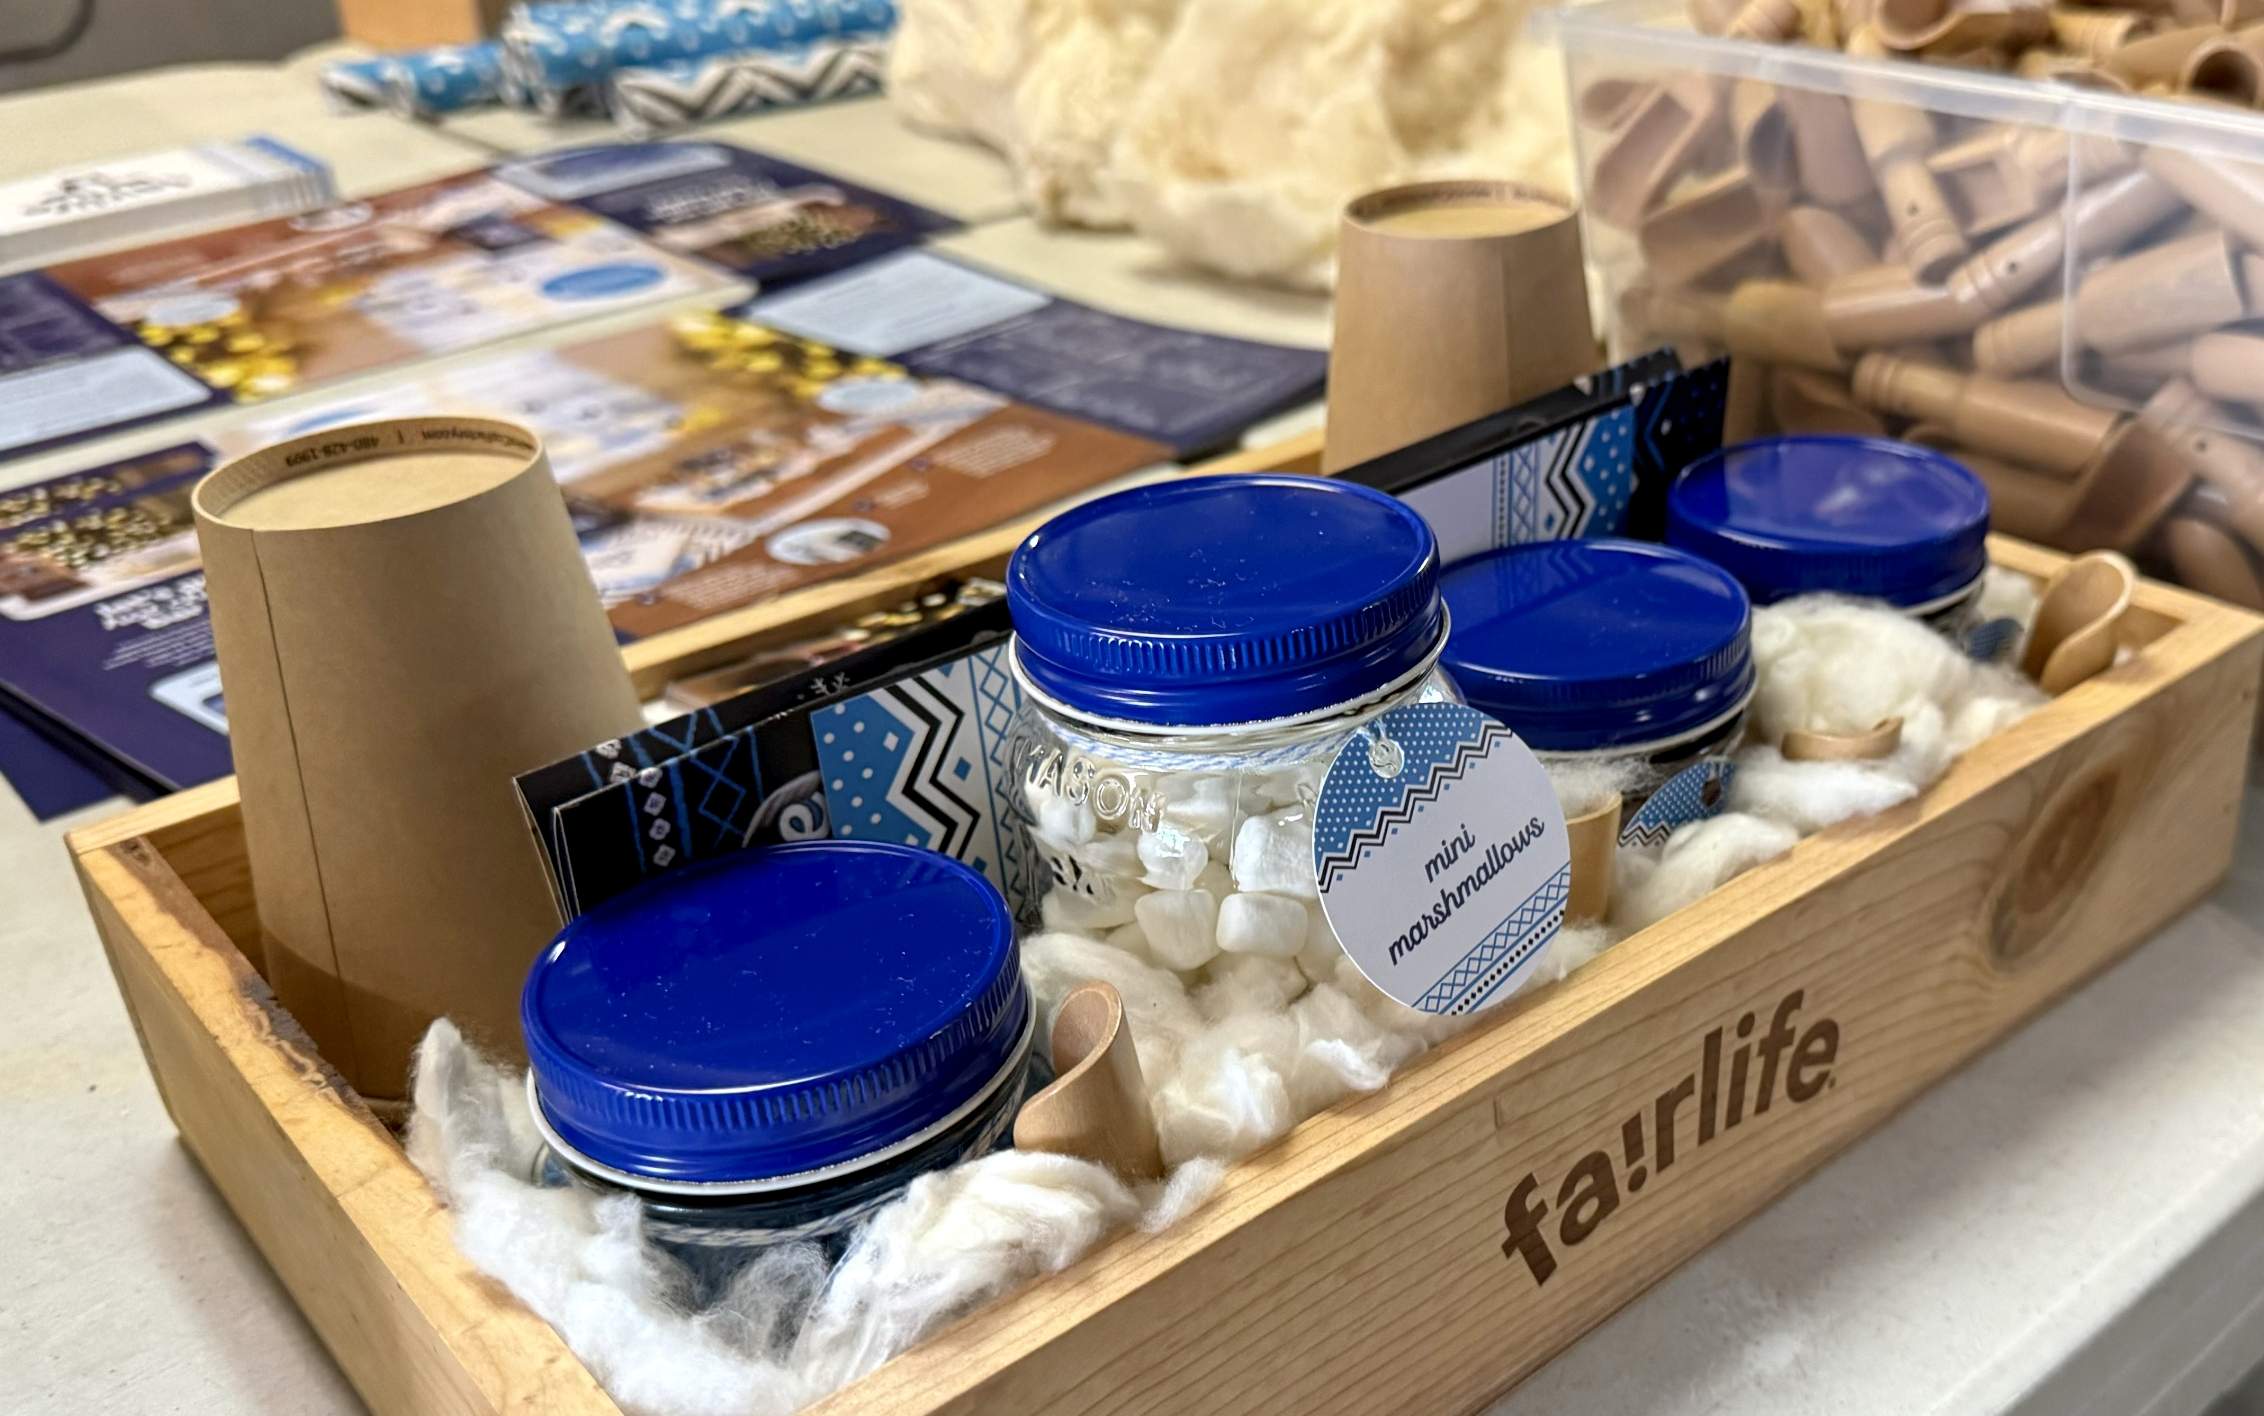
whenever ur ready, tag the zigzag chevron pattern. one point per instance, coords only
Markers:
(1479, 974)
(1442, 774)
(655, 100)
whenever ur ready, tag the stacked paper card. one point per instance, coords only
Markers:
(77, 211)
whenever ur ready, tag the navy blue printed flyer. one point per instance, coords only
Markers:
(66, 372)
(1191, 391)
(104, 639)
(761, 217)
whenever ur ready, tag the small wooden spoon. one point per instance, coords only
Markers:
(1878, 741)
(2074, 634)
(1097, 1107)
(1594, 839)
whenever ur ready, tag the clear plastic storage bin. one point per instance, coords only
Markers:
(2051, 282)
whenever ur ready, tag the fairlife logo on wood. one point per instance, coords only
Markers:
(1790, 1059)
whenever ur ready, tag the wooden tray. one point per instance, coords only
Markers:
(1376, 1259)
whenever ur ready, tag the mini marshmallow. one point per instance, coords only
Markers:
(1217, 879)
(1199, 802)
(1274, 853)
(1113, 854)
(1173, 858)
(1252, 923)
(1065, 908)
(1287, 786)
(1181, 927)
(1058, 819)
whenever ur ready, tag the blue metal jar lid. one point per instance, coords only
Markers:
(773, 1012)
(1859, 516)
(1221, 600)
(1584, 645)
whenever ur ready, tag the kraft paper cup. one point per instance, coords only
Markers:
(1434, 329)
(404, 622)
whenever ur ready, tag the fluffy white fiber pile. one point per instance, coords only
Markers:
(1234, 1054)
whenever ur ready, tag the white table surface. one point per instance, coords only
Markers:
(2073, 1226)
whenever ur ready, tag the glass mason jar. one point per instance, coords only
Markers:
(770, 1045)
(1866, 517)
(1193, 655)
(1605, 651)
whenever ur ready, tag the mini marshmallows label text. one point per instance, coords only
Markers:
(1791, 1058)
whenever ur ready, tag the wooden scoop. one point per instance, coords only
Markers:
(1594, 839)
(1879, 740)
(2074, 634)
(1097, 1107)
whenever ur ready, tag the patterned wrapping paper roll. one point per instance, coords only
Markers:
(358, 85)
(428, 83)
(564, 46)
(673, 95)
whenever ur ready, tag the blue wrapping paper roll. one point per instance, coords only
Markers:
(358, 84)
(427, 83)
(660, 97)
(556, 47)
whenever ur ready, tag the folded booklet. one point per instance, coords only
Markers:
(1593, 458)
(264, 310)
(906, 741)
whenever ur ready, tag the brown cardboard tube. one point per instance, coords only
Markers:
(1809, 401)
(404, 622)
(2193, 283)
(2032, 423)
(1765, 21)
(1948, 28)
(2139, 478)
(1883, 307)
(1873, 743)
(2106, 216)
(1821, 245)
(1453, 300)
(2229, 364)
(2233, 466)
(1826, 150)
(2022, 503)
(1761, 136)
(1705, 227)
(2224, 69)
(2027, 341)
(1096, 1108)
(1653, 147)
(2095, 34)
(1896, 138)
(2159, 58)
(2209, 559)
(1594, 840)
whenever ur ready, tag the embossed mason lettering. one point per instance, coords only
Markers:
(1112, 793)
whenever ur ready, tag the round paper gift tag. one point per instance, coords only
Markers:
(1442, 857)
